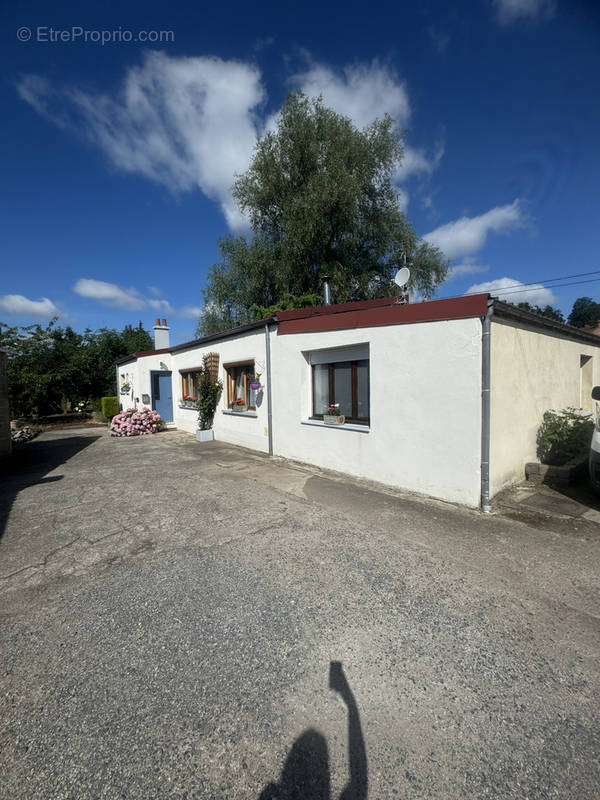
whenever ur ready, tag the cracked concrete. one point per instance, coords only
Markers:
(170, 611)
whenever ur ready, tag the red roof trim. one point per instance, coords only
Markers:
(355, 305)
(152, 352)
(366, 316)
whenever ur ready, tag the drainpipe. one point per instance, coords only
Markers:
(486, 361)
(269, 408)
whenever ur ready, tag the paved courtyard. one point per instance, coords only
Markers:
(185, 620)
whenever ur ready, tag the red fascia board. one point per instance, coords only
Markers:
(436, 310)
(152, 352)
(339, 308)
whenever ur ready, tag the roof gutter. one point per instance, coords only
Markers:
(486, 381)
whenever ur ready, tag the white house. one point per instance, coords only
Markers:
(443, 398)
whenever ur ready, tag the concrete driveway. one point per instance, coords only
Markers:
(194, 620)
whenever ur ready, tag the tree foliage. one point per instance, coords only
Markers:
(320, 199)
(546, 311)
(49, 367)
(585, 311)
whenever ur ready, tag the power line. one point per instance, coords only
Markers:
(507, 290)
(539, 284)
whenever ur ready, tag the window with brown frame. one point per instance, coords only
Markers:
(239, 391)
(189, 384)
(343, 382)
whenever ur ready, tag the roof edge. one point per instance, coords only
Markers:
(502, 309)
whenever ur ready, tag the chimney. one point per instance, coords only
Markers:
(326, 290)
(161, 335)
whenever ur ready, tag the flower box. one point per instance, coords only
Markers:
(331, 419)
(239, 407)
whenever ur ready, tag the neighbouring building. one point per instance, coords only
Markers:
(443, 398)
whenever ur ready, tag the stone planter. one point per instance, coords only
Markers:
(205, 436)
(240, 409)
(330, 419)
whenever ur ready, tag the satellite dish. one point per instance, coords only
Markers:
(402, 277)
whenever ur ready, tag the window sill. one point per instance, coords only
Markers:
(240, 413)
(347, 426)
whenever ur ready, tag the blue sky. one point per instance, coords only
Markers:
(118, 159)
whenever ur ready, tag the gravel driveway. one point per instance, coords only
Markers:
(195, 620)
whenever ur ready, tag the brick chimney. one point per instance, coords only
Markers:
(161, 334)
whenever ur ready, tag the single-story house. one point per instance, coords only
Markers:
(443, 398)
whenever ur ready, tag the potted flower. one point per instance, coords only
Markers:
(239, 404)
(189, 401)
(254, 380)
(332, 416)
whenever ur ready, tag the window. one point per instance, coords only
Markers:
(189, 384)
(342, 381)
(239, 390)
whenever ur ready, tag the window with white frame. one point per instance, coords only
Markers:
(341, 376)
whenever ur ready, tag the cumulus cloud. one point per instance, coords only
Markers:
(185, 123)
(192, 122)
(467, 267)
(511, 290)
(161, 305)
(18, 304)
(110, 294)
(466, 235)
(190, 312)
(363, 92)
(509, 11)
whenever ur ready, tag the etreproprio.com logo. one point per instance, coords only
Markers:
(77, 34)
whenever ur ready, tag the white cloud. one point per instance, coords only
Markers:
(161, 305)
(467, 267)
(466, 235)
(18, 304)
(185, 123)
(190, 312)
(509, 11)
(109, 293)
(365, 92)
(362, 92)
(511, 290)
(192, 123)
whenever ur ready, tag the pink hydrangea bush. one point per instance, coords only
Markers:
(136, 423)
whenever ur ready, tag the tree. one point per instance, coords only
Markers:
(547, 311)
(320, 199)
(50, 367)
(585, 311)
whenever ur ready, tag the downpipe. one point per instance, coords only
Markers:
(269, 408)
(486, 378)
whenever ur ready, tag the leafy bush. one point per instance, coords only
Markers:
(563, 435)
(110, 406)
(208, 397)
(136, 423)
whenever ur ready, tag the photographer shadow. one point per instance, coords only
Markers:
(306, 775)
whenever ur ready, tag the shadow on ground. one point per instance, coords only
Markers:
(30, 464)
(305, 774)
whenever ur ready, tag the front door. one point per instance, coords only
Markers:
(162, 395)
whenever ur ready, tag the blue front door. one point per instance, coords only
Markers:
(162, 395)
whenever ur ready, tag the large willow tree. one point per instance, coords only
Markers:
(320, 199)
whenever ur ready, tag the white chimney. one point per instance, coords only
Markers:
(161, 335)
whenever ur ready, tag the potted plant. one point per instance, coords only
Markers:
(239, 404)
(254, 380)
(208, 397)
(332, 416)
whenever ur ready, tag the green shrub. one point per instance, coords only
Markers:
(208, 397)
(563, 436)
(110, 406)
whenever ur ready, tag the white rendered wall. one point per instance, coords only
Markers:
(532, 372)
(241, 429)
(138, 373)
(425, 396)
